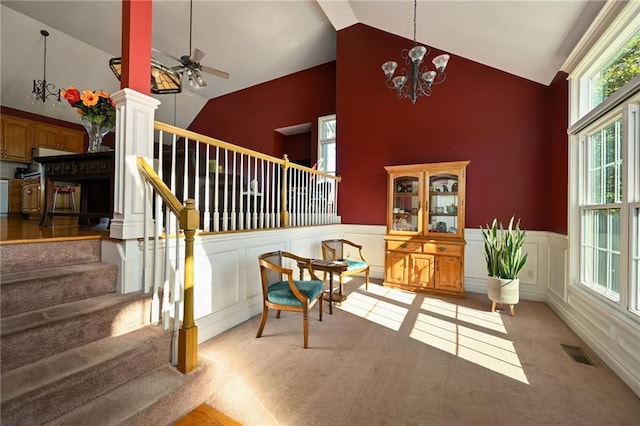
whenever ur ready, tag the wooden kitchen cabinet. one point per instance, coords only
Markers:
(15, 196)
(59, 138)
(16, 139)
(425, 227)
(31, 195)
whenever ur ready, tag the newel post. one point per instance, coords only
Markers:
(188, 335)
(284, 217)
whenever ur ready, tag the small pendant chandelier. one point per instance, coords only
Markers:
(416, 82)
(41, 89)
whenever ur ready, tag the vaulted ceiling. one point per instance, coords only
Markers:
(257, 41)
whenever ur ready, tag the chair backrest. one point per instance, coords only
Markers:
(332, 249)
(270, 276)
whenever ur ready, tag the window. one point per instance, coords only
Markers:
(617, 72)
(327, 144)
(600, 242)
(604, 224)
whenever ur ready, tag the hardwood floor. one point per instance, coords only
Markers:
(206, 415)
(18, 229)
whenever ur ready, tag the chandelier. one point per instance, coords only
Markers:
(41, 89)
(416, 82)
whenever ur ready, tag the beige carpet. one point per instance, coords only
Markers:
(389, 357)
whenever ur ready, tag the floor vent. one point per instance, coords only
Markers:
(577, 354)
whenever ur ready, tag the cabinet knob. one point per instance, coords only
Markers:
(441, 248)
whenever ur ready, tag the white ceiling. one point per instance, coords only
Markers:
(257, 41)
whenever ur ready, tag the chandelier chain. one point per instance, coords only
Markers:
(415, 10)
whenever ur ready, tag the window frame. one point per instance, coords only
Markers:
(323, 142)
(624, 103)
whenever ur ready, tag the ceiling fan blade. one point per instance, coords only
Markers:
(215, 72)
(197, 55)
(162, 52)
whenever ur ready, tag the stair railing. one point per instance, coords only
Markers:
(185, 352)
(236, 188)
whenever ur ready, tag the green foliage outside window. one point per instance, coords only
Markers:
(618, 72)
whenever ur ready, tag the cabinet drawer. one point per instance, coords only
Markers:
(449, 249)
(407, 246)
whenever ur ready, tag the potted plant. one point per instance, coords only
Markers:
(505, 259)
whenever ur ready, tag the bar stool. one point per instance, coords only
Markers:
(64, 190)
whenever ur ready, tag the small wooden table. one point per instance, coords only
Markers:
(332, 267)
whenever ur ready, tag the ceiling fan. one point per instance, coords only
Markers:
(190, 64)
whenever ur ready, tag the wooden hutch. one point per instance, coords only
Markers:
(424, 245)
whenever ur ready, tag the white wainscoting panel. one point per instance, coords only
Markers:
(612, 333)
(558, 267)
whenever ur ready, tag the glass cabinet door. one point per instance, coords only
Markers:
(405, 195)
(443, 202)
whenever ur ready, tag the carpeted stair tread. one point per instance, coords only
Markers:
(31, 336)
(51, 387)
(18, 382)
(33, 319)
(21, 257)
(134, 401)
(37, 288)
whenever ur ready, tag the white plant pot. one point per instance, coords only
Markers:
(503, 291)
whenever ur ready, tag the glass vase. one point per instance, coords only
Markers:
(96, 132)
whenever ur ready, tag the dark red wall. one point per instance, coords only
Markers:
(558, 154)
(249, 117)
(298, 148)
(496, 120)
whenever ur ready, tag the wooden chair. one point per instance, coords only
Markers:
(334, 250)
(282, 293)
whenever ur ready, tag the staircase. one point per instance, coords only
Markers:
(75, 352)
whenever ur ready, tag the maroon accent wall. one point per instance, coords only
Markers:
(558, 154)
(298, 148)
(496, 120)
(249, 117)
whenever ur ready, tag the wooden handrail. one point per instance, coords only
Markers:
(189, 222)
(226, 145)
(163, 190)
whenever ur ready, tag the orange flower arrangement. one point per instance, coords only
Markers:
(95, 106)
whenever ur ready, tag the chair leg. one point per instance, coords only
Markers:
(366, 279)
(493, 307)
(513, 310)
(278, 313)
(305, 328)
(263, 321)
(320, 305)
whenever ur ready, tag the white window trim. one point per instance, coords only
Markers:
(616, 21)
(322, 141)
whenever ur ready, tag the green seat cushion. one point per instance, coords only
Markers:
(281, 293)
(354, 264)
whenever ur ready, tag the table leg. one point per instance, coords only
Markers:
(330, 293)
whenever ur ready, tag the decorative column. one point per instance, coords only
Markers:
(135, 115)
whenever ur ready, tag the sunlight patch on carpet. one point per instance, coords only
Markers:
(489, 320)
(375, 310)
(401, 296)
(484, 349)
